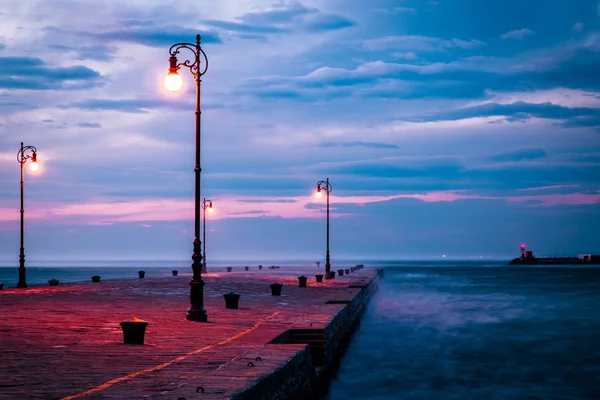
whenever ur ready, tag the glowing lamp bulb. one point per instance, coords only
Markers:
(211, 210)
(319, 194)
(522, 246)
(173, 81)
(34, 166)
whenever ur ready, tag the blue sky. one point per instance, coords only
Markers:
(458, 127)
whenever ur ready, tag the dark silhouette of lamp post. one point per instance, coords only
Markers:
(206, 205)
(22, 157)
(324, 186)
(198, 67)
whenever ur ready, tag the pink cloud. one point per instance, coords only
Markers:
(109, 211)
(559, 199)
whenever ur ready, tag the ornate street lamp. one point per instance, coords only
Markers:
(206, 205)
(22, 157)
(324, 186)
(198, 67)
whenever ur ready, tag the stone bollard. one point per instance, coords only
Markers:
(134, 331)
(96, 278)
(319, 277)
(141, 274)
(174, 272)
(229, 269)
(247, 268)
(340, 272)
(347, 271)
(1, 285)
(302, 281)
(260, 267)
(231, 300)
(53, 282)
(276, 289)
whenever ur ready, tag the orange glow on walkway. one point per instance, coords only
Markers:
(113, 382)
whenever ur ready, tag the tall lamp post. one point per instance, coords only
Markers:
(198, 67)
(324, 186)
(206, 205)
(25, 153)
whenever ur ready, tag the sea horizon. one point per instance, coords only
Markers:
(74, 271)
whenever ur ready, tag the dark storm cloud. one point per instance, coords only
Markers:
(35, 74)
(148, 35)
(284, 19)
(520, 111)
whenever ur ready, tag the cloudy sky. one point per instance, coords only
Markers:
(458, 127)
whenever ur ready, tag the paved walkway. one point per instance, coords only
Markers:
(65, 342)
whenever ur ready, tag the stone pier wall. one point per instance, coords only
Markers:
(339, 329)
(297, 378)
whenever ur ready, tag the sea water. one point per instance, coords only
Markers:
(477, 332)
(39, 272)
(74, 271)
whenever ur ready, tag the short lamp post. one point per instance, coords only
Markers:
(173, 82)
(324, 186)
(24, 154)
(206, 205)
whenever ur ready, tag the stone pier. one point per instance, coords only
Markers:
(65, 342)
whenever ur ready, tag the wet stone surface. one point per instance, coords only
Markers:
(66, 341)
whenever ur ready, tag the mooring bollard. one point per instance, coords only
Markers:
(141, 274)
(340, 272)
(276, 289)
(134, 331)
(347, 271)
(231, 300)
(174, 272)
(302, 281)
(246, 268)
(229, 269)
(319, 277)
(1, 285)
(331, 275)
(53, 282)
(96, 278)
(260, 267)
